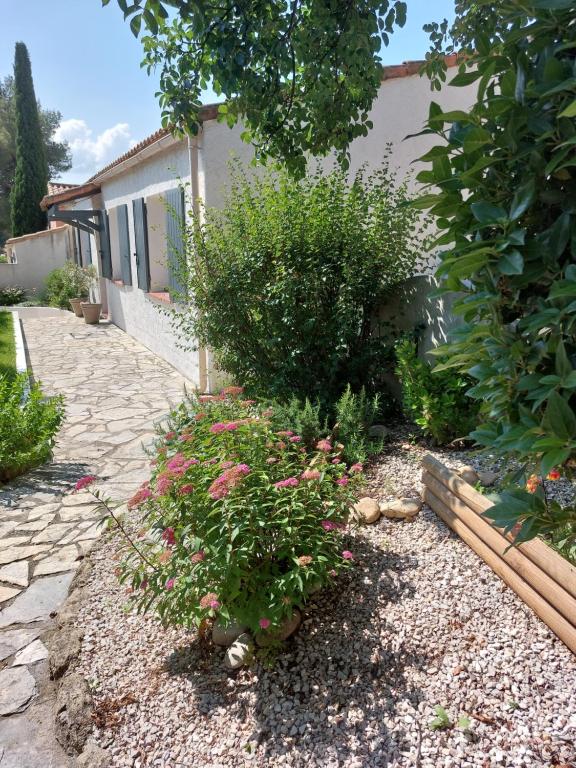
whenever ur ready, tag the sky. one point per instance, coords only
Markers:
(86, 65)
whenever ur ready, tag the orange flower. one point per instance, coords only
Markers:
(533, 483)
(304, 560)
(554, 474)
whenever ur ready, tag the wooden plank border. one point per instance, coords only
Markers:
(543, 579)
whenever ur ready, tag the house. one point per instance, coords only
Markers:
(130, 210)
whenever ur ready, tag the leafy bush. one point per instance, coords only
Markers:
(286, 279)
(28, 425)
(355, 414)
(302, 418)
(435, 400)
(68, 282)
(504, 194)
(11, 295)
(240, 522)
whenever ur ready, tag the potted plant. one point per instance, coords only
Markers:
(91, 311)
(69, 285)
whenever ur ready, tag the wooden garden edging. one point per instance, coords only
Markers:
(541, 577)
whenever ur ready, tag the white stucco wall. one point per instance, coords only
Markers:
(148, 322)
(36, 256)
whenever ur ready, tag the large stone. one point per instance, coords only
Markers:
(73, 714)
(34, 652)
(15, 573)
(65, 559)
(21, 553)
(366, 510)
(93, 756)
(46, 510)
(469, 475)
(42, 598)
(64, 649)
(401, 509)
(6, 593)
(14, 639)
(287, 628)
(36, 525)
(240, 652)
(226, 634)
(487, 478)
(52, 534)
(13, 541)
(378, 431)
(17, 688)
(7, 527)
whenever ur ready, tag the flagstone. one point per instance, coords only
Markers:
(19, 553)
(13, 541)
(36, 525)
(52, 534)
(34, 652)
(11, 640)
(15, 573)
(7, 527)
(77, 499)
(45, 509)
(8, 592)
(17, 687)
(80, 513)
(43, 597)
(90, 533)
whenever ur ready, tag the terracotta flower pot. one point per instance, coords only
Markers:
(76, 308)
(91, 312)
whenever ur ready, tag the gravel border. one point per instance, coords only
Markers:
(420, 622)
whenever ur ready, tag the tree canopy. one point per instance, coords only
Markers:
(301, 75)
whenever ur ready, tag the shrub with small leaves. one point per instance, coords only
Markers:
(240, 522)
(68, 282)
(354, 415)
(11, 295)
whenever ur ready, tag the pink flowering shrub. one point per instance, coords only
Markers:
(240, 521)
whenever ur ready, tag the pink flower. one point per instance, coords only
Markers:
(84, 482)
(342, 481)
(228, 480)
(310, 474)
(170, 436)
(247, 402)
(347, 555)
(285, 433)
(280, 445)
(227, 464)
(264, 623)
(168, 537)
(170, 584)
(335, 461)
(356, 468)
(289, 482)
(332, 573)
(217, 428)
(206, 398)
(184, 490)
(139, 497)
(296, 439)
(328, 525)
(210, 601)
(186, 437)
(163, 484)
(198, 557)
(233, 391)
(324, 445)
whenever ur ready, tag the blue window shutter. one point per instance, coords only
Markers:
(105, 254)
(124, 244)
(141, 242)
(175, 220)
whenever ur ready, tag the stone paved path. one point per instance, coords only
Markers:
(115, 390)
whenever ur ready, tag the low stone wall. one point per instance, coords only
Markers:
(32, 257)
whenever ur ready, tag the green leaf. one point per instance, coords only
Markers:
(476, 139)
(559, 417)
(486, 213)
(570, 110)
(511, 263)
(563, 365)
(523, 199)
(135, 24)
(554, 459)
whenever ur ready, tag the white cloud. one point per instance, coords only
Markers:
(90, 152)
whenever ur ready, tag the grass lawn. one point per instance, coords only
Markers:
(7, 348)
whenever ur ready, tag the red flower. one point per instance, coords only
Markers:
(554, 474)
(168, 537)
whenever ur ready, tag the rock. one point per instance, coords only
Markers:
(68, 613)
(287, 628)
(93, 756)
(34, 652)
(240, 652)
(366, 510)
(11, 554)
(14, 639)
(401, 509)
(64, 648)
(63, 559)
(378, 431)
(314, 588)
(73, 714)
(42, 598)
(469, 475)
(488, 478)
(226, 634)
(17, 687)
(6, 593)
(16, 573)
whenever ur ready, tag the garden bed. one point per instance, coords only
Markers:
(420, 622)
(7, 345)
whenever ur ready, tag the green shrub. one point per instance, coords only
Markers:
(435, 401)
(303, 418)
(240, 521)
(68, 282)
(11, 295)
(503, 191)
(354, 415)
(28, 425)
(286, 279)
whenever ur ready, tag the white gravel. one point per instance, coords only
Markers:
(420, 622)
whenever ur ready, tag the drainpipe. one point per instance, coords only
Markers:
(196, 166)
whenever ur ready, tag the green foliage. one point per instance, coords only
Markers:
(302, 418)
(434, 400)
(286, 279)
(68, 282)
(504, 195)
(28, 425)
(10, 295)
(7, 345)
(31, 172)
(442, 720)
(240, 521)
(354, 415)
(301, 77)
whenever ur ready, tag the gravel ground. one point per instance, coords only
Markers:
(420, 622)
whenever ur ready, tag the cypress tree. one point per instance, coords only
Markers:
(31, 175)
